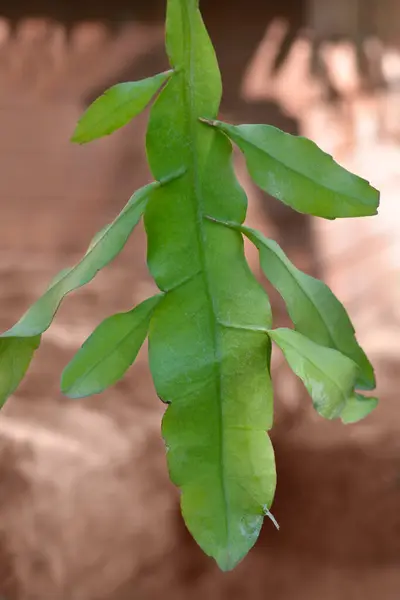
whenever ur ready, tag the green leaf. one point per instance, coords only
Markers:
(313, 308)
(328, 375)
(209, 354)
(106, 247)
(358, 407)
(109, 352)
(15, 357)
(294, 170)
(116, 107)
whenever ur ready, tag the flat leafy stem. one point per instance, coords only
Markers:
(116, 107)
(109, 352)
(194, 367)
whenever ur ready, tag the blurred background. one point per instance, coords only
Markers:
(86, 508)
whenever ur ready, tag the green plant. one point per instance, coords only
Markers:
(210, 327)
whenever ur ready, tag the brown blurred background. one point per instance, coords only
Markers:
(86, 508)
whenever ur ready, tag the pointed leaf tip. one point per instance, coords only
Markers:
(15, 357)
(116, 107)
(357, 408)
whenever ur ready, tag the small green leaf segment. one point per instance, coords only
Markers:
(116, 107)
(210, 327)
(328, 375)
(109, 352)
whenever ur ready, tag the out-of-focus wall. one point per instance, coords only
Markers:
(86, 509)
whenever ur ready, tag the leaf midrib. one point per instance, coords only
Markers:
(188, 91)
